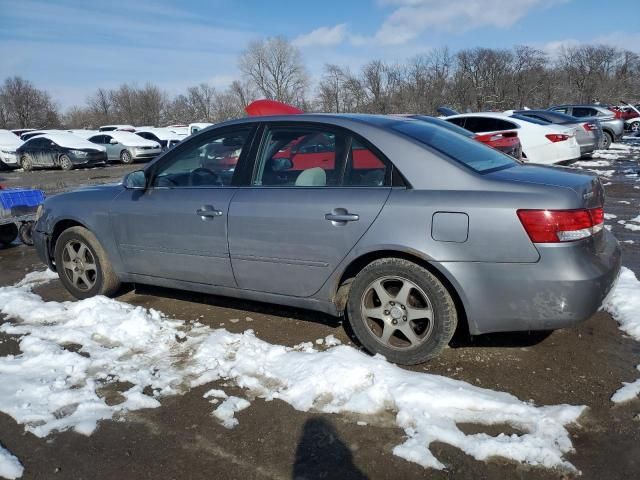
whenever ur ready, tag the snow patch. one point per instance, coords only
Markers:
(227, 409)
(73, 350)
(624, 305)
(10, 466)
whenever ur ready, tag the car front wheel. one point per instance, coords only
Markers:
(26, 162)
(66, 163)
(83, 266)
(402, 311)
(607, 140)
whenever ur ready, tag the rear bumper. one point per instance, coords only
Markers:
(565, 287)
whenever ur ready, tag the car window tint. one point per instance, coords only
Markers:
(208, 162)
(487, 124)
(463, 150)
(561, 110)
(300, 157)
(364, 167)
(584, 112)
(457, 121)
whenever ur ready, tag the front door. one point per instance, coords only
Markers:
(177, 228)
(313, 194)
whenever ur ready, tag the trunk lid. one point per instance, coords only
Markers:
(587, 186)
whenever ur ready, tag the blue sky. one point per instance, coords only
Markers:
(72, 47)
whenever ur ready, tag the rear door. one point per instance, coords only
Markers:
(42, 151)
(305, 208)
(177, 228)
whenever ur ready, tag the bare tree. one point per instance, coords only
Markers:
(275, 67)
(101, 107)
(26, 106)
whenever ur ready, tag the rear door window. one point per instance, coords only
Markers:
(318, 157)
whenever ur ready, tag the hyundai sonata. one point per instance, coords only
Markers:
(406, 228)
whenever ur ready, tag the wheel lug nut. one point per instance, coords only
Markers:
(386, 312)
(392, 303)
(403, 307)
(394, 321)
(404, 319)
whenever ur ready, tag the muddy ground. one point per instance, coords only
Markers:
(584, 365)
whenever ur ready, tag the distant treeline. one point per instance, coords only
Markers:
(472, 79)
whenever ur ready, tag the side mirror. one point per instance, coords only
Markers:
(135, 180)
(113, 141)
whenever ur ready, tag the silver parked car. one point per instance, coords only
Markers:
(612, 127)
(126, 147)
(589, 133)
(404, 227)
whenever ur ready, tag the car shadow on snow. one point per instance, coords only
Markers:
(321, 454)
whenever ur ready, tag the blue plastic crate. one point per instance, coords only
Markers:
(18, 197)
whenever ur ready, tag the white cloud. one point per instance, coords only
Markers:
(413, 17)
(323, 36)
(619, 39)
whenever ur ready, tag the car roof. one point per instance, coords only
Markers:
(330, 118)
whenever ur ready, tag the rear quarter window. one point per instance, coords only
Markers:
(470, 153)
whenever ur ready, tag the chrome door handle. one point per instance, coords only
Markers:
(340, 216)
(208, 212)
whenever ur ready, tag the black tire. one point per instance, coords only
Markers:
(607, 140)
(125, 157)
(104, 281)
(26, 162)
(65, 163)
(8, 233)
(26, 233)
(444, 315)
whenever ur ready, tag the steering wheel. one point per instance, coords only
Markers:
(204, 177)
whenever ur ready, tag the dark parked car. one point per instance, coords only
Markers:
(64, 150)
(439, 230)
(588, 132)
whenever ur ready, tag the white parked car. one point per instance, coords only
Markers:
(541, 142)
(126, 147)
(165, 137)
(9, 142)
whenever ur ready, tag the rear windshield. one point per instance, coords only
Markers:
(466, 151)
(537, 121)
(441, 123)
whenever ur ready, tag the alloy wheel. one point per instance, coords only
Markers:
(79, 265)
(397, 312)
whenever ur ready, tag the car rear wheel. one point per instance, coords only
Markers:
(26, 162)
(401, 310)
(26, 233)
(8, 233)
(607, 140)
(66, 163)
(83, 266)
(125, 157)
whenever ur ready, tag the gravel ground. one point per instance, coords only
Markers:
(584, 365)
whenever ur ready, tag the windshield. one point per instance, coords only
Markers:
(468, 152)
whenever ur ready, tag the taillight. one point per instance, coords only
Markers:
(557, 137)
(551, 226)
(589, 127)
(616, 113)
